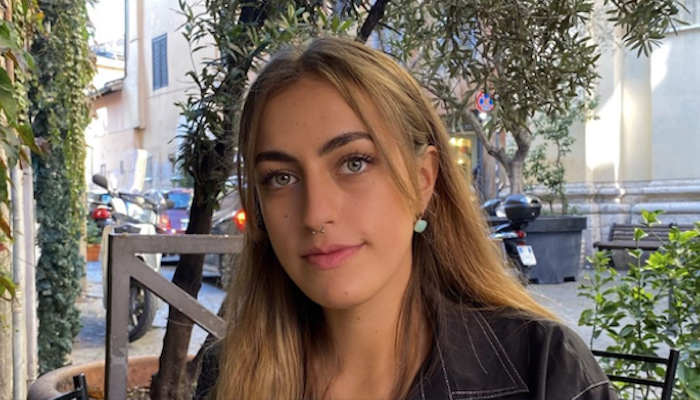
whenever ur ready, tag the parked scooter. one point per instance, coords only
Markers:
(131, 214)
(520, 210)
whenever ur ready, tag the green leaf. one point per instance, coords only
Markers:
(627, 331)
(27, 136)
(693, 393)
(639, 234)
(586, 315)
(651, 218)
(6, 41)
(7, 96)
(7, 284)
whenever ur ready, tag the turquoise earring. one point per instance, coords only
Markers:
(420, 226)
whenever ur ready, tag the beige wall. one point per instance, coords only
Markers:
(676, 107)
(649, 116)
(138, 117)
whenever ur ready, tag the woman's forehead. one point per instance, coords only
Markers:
(310, 110)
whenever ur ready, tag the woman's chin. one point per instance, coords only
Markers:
(339, 299)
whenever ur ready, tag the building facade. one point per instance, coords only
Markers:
(642, 152)
(133, 138)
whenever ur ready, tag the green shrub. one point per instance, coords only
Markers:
(626, 308)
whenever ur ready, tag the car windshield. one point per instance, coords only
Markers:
(181, 200)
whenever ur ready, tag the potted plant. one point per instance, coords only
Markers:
(555, 237)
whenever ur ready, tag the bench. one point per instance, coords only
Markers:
(621, 237)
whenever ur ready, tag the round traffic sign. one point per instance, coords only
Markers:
(484, 102)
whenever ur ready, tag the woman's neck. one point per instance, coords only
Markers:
(365, 340)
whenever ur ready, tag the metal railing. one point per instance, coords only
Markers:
(124, 265)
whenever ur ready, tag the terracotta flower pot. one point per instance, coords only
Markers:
(93, 252)
(60, 381)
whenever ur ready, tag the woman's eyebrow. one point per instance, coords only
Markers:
(274, 155)
(341, 140)
(333, 144)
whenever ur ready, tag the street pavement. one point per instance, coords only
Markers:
(90, 343)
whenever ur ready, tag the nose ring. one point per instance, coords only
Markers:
(322, 230)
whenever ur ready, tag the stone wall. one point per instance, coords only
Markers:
(606, 203)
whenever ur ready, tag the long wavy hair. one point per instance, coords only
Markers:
(276, 345)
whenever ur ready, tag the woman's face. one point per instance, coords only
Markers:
(318, 169)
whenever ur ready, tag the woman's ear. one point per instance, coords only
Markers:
(427, 174)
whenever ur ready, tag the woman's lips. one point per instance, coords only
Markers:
(332, 259)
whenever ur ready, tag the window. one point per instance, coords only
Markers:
(149, 169)
(160, 61)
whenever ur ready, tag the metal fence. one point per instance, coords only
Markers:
(124, 265)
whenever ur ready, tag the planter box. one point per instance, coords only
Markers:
(93, 252)
(556, 241)
(60, 381)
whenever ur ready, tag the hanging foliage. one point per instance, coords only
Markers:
(61, 112)
(15, 132)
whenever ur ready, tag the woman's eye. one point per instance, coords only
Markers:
(355, 165)
(282, 180)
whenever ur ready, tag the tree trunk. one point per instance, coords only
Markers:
(172, 380)
(515, 175)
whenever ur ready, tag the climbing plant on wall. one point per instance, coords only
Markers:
(15, 131)
(61, 111)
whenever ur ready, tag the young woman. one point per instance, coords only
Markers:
(366, 271)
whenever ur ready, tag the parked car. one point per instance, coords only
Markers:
(230, 220)
(174, 210)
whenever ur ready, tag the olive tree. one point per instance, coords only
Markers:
(531, 56)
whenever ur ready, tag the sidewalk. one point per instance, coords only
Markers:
(90, 343)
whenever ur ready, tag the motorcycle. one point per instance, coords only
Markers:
(131, 214)
(519, 210)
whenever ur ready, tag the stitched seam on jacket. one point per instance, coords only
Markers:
(422, 386)
(444, 370)
(495, 350)
(494, 395)
(595, 385)
(498, 391)
(520, 379)
(471, 341)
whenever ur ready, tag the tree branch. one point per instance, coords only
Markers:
(497, 153)
(375, 15)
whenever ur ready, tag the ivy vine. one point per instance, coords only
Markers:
(15, 132)
(60, 112)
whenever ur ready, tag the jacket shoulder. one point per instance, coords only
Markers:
(552, 358)
(509, 354)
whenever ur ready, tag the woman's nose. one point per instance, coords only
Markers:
(320, 205)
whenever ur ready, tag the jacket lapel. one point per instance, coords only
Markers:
(471, 365)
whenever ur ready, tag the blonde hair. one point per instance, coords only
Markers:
(276, 337)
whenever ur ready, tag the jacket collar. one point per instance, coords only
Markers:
(472, 364)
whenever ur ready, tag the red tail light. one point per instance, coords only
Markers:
(164, 222)
(239, 219)
(101, 213)
(521, 234)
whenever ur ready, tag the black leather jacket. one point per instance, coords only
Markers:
(496, 355)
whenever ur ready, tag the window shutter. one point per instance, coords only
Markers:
(160, 61)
